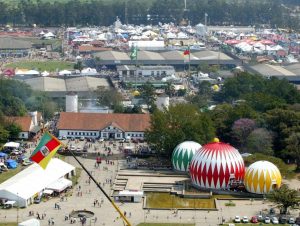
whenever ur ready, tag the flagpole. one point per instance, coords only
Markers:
(189, 70)
(102, 190)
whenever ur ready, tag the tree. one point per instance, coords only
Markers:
(259, 141)
(282, 123)
(110, 98)
(179, 123)
(241, 129)
(203, 96)
(292, 148)
(78, 65)
(41, 102)
(224, 115)
(13, 130)
(148, 94)
(284, 197)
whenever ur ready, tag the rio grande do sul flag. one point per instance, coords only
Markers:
(45, 150)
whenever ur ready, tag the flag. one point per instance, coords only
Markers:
(187, 51)
(133, 54)
(45, 150)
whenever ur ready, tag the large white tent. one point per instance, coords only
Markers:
(24, 186)
(60, 185)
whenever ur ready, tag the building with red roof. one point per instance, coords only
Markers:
(94, 125)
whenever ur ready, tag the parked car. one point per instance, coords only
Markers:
(245, 219)
(37, 200)
(274, 220)
(60, 138)
(260, 218)
(26, 162)
(267, 220)
(64, 137)
(81, 138)
(101, 140)
(78, 149)
(282, 220)
(72, 148)
(72, 138)
(292, 220)
(3, 167)
(237, 219)
(254, 219)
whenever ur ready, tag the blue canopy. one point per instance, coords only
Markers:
(3, 155)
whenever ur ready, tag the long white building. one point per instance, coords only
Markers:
(100, 125)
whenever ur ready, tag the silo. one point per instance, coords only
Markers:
(71, 102)
(33, 116)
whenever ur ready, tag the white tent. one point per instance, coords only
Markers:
(48, 192)
(24, 186)
(30, 222)
(60, 185)
(45, 73)
(89, 71)
(11, 145)
(64, 72)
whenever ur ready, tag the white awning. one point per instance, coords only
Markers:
(60, 185)
(48, 192)
(10, 202)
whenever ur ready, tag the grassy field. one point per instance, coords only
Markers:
(50, 66)
(8, 224)
(163, 224)
(11, 172)
(165, 200)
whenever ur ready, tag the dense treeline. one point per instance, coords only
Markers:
(71, 13)
(17, 99)
(252, 113)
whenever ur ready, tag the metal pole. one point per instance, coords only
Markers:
(102, 190)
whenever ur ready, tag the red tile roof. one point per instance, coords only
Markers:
(23, 121)
(92, 49)
(99, 121)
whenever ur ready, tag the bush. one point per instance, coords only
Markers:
(286, 170)
(230, 203)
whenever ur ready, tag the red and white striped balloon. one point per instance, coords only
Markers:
(215, 164)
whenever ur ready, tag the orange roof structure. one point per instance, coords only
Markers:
(98, 121)
(23, 121)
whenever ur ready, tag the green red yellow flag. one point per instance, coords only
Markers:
(45, 150)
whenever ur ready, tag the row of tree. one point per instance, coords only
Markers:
(73, 13)
(17, 99)
(252, 113)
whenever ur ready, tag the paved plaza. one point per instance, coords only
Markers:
(105, 214)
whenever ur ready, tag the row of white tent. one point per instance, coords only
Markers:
(85, 71)
(257, 47)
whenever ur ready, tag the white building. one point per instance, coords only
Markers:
(30, 125)
(32, 181)
(100, 125)
(129, 71)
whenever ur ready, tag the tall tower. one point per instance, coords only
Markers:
(71, 102)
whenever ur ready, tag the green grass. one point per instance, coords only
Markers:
(164, 224)
(50, 66)
(166, 200)
(10, 173)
